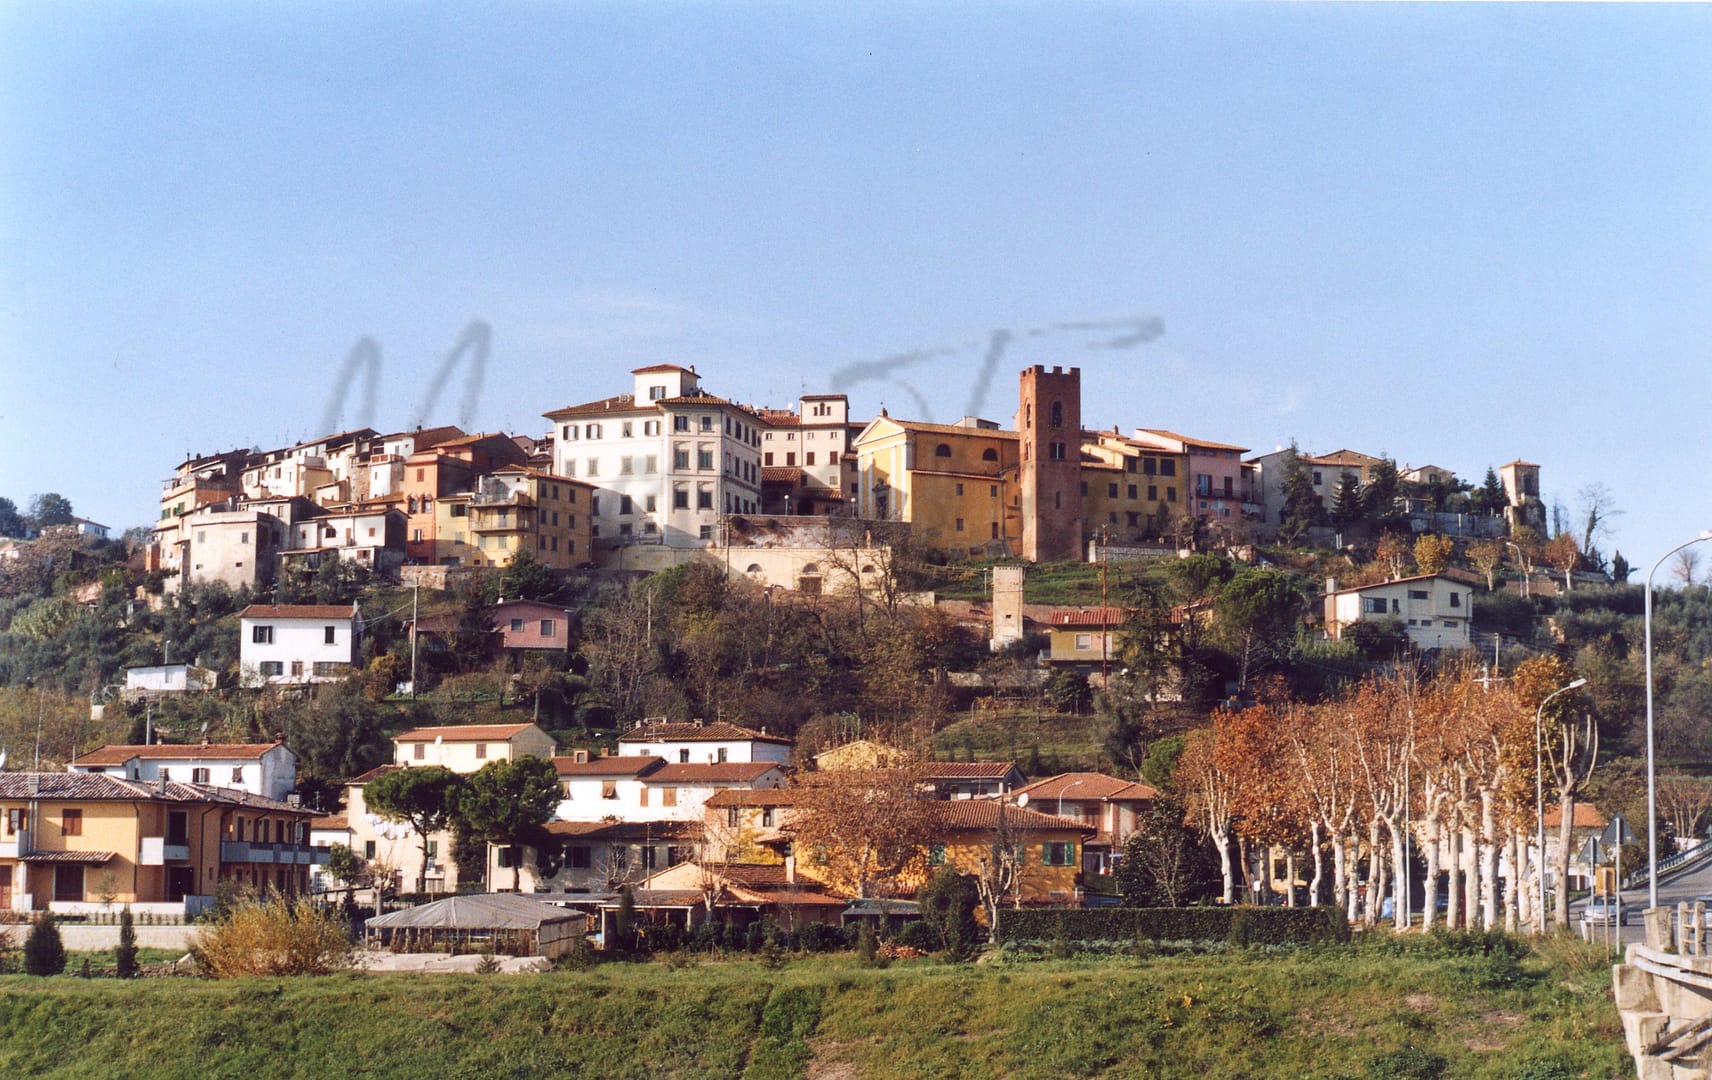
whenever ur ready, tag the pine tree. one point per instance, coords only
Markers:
(126, 954)
(44, 952)
(1301, 506)
(1347, 501)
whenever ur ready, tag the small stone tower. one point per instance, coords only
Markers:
(1049, 421)
(1007, 606)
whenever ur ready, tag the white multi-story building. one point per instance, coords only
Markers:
(808, 457)
(667, 460)
(287, 644)
(265, 769)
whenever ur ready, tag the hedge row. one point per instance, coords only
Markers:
(1237, 925)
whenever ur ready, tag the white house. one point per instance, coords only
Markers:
(1437, 612)
(265, 769)
(649, 788)
(293, 644)
(699, 743)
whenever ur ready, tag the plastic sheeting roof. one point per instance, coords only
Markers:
(476, 911)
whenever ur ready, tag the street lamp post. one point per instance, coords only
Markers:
(1540, 802)
(1061, 792)
(1523, 563)
(1652, 790)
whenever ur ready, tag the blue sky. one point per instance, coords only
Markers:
(1454, 234)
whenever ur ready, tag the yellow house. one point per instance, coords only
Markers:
(1048, 848)
(78, 843)
(517, 509)
(754, 827)
(956, 484)
(1086, 637)
(1133, 490)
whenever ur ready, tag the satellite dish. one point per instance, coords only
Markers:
(438, 739)
(1022, 800)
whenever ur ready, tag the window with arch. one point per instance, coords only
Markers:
(754, 568)
(1057, 414)
(989, 454)
(942, 450)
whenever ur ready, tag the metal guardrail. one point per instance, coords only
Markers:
(1683, 860)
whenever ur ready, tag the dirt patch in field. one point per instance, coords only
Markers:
(1422, 1003)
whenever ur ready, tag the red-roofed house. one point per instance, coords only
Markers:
(298, 644)
(646, 787)
(1112, 807)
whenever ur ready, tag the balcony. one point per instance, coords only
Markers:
(159, 850)
(18, 845)
(282, 854)
(501, 498)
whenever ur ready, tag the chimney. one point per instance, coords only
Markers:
(1331, 585)
(790, 869)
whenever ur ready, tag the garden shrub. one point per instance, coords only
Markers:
(272, 937)
(44, 952)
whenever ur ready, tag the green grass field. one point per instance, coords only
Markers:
(1381, 1008)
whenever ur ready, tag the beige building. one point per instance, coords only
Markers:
(466, 748)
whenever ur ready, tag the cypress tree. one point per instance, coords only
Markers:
(126, 953)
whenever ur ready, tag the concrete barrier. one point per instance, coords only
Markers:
(82, 938)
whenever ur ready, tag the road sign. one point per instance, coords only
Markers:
(1591, 852)
(1617, 833)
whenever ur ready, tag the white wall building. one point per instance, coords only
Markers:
(696, 743)
(667, 460)
(1436, 612)
(265, 769)
(290, 644)
(637, 788)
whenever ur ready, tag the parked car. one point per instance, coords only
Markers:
(1604, 911)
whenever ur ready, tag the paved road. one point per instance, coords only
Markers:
(1697, 882)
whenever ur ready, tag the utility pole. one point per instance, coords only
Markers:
(1105, 612)
(415, 593)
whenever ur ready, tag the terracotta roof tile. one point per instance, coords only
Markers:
(983, 814)
(966, 770)
(295, 611)
(461, 733)
(718, 731)
(622, 765)
(720, 772)
(611, 406)
(1085, 785)
(118, 755)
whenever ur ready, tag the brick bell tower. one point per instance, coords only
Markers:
(1049, 421)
